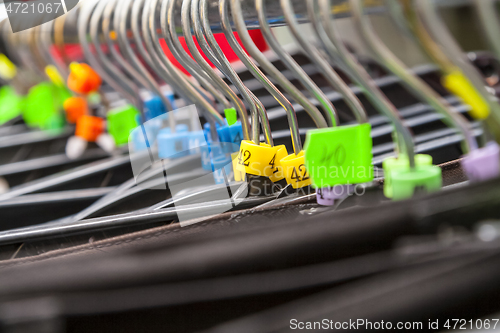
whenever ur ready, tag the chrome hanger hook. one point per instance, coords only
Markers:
(120, 23)
(412, 82)
(83, 20)
(294, 67)
(280, 79)
(153, 41)
(192, 11)
(278, 96)
(361, 77)
(167, 16)
(114, 71)
(330, 75)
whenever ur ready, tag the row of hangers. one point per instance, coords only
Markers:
(122, 47)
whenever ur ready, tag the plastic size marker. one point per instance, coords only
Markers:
(482, 164)
(42, 106)
(239, 176)
(207, 130)
(83, 79)
(401, 163)
(222, 164)
(277, 169)
(54, 75)
(75, 107)
(406, 183)
(231, 116)
(89, 128)
(195, 141)
(206, 160)
(460, 85)
(153, 107)
(231, 134)
(141, 141)
(7, 68)
(327, 196)
(121, 122)
(211, 153)
(173, 145)
(339, 155)
(11, 104)
(256, 159)
(295, 170)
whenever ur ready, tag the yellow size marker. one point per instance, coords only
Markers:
(459, 84)
(239, 176)
(275, 163)
(295, 170)
(7, 68)
(256, 159)
(54, 75)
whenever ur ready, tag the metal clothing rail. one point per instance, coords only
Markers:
(340, 9)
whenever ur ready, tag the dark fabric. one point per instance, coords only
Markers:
(240, 270)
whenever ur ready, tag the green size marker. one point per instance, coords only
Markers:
(10, 104)
(121, 122)
(231, 116)
(339, 156)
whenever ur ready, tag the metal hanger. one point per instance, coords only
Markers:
(118, 77)
(403, 136)
(59, 43)
(107, 32)
(280, 79)
(140, 14)
(157, 58)
(167, 15)
(328, 72)
(412, 82)
(190, 15)
(84, 18)
(35, 54)
(153, 42)
(126, 189)
(438, 43)
(280, 98)
(292, 65)
(488, 15)
(185, 60)
(121, 25)
(44, 42)
(185, 85)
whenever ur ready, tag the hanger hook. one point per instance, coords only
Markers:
(153, 40)
(278, 96)
(361, 77)
(294, 67)
(167, 22)
(412, 82)
(193, 11)
(280, 79)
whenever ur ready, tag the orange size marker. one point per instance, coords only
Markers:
(89, 127)
(75, 107)
(83, 79)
